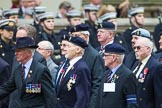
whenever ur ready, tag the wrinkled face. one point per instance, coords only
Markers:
(21, 33)
(160, 42)
(22, 55)
(141, 51)
(49, 24)
(44, 51)
(71, 51)
(103, 35)
(63, 47)
(108, 59)
(7, 34)
(140, 18)
(75, 21)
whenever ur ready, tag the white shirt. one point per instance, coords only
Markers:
(27, 67)
(72, 62)
(144, 61)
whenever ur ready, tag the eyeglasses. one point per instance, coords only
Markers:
(138, 47)
(42, 48)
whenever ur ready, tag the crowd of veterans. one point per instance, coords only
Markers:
(85, 65)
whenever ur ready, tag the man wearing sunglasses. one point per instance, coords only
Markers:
(137, 34)
(148, 75)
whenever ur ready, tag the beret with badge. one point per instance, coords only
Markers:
(65, 37)
(114, 48)
(78, 41)
(83, 28)
(8, 24)
(106, 25)
(142, 33)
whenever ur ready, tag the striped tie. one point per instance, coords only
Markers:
(108, 79)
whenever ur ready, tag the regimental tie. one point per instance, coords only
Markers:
(23, 71)
(62, 72)
(108, 78)
(102, 50)
(137, 68)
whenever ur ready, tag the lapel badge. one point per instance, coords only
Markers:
(120, 41)
(29, 74)
(1, 46)
(3, 54)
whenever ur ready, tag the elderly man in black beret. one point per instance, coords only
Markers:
(31, 78)
(92, 58)
(73, 79)
(118, 85)
(106, 35)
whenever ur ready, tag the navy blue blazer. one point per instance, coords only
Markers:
(149, 91)
(77, 94)
(125, 90)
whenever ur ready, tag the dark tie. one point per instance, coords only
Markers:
(138, 67)
(108, 78)
(23, 71)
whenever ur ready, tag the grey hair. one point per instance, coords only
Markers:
(31, 30)
(48, 45)
(120, 58)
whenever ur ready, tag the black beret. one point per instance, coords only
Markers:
(114, 48)
(78, 41)
(79, 27)
(65, 37)
(106, 25)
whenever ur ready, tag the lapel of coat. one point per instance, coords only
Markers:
(20, 80)
(30, 76)
(147, 66)
(67, 77)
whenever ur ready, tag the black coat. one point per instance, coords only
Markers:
(38, 74)
(156, 35)
(125, 87)
(14, 95)
(150, 89)
(4, 76)
(7, 52)
(128, 37)
(97, 69)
